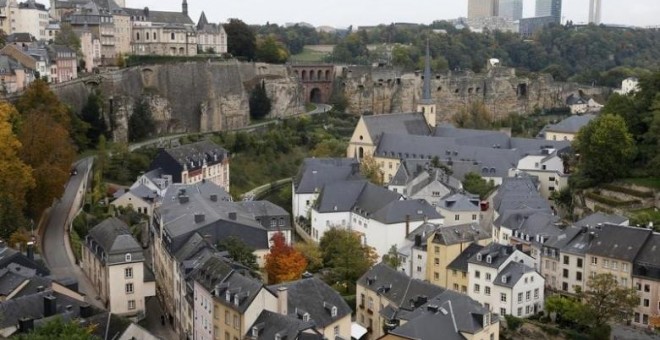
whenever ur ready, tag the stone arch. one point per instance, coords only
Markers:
(319, 75)
(304, 75)
(327, 74)
(315, 95)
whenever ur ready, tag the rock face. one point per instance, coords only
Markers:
(383, 90)
(187, 97)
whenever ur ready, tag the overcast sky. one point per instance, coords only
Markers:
(342, 13)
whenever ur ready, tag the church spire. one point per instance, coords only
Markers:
(426, 91)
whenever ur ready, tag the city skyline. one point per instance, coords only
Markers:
(343, 13)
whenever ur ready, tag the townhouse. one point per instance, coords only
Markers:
(413, 253)
(194, 163)
(566, 129)
(382, 218)
(140, 198)
(114, 262)
(646, 281)
(444, 246)
(502, 278)
(460, 208)
(426, 182)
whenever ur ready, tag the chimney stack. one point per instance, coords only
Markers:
(25, 325)
(232, 216)
(282, 300)
(30, 250)
(85, 311)
(50, 305)
(214, 197)
(407, 225)
(199, 218)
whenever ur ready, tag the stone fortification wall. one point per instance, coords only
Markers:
(187, 97)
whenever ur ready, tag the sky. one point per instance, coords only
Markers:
(342, 13)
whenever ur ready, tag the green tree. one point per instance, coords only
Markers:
(141, 124)
(260, 104)
(93, 115)
(312, 253)
(241, 40)
(606, 149)
(58, 329)
(392, 258)
(239, 252)
(475, 184)
(370, 169)
(269, 50)
(475, 116)
(607, 301)
(346, 257)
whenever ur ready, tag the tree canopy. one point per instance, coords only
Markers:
(269, 50)
(370, 170)
(239, 252)
(346, 257)
(475, 184)
(241, 39)
(141, 124)
(284, 263)
(606, 149)
(260, 104)
(58, 329)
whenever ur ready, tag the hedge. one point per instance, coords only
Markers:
(628, 191)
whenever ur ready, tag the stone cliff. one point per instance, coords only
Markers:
(384, 90)
(187, 97)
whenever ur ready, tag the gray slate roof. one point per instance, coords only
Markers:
(316, 172)
(572, 124)
(190, 156)
(314, 297)
(647, 263)
(463, 315)
(600, 218)
(398, 288)
(618, 242)
(460, 202)
(161, 17)
(519, 193)
(269, 324)
(409, 123)
(461, 233)
(498, 253)
(460, 263)
(10, 258)
(115, 240)
(513, 272)
(32, 306)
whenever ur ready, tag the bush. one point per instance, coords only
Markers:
(550, 330)
(602, 332)
(513, 323)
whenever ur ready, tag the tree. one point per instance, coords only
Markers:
(58, 329)
(269, 50)
(241, 40)
(141, 124)
(607, 301)
(239, 252)
(283, 263)
(346, 257)
(93, 115)
(475, 184)
(606, 149)
(392, 258)
(44, 130)
(20, 238)
(312, 254)
(475, 116)
(16, 177)
(260, 104)
(370, 169)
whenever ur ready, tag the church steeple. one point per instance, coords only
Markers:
(426, 105)
(184, 7)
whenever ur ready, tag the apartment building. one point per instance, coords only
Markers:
(646, 281)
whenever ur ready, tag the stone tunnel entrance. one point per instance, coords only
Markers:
(315, 96)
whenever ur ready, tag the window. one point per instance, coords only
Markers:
(436, 261)
(227, 318)
(437, 249)
(487, 290)
(615, 265)
(519, 311)
(128, 273)
(520, 297)
(477, 288)
(477, 274)
(172, 35)
(457, 217)
(647, 288)
(646, 303)
(236, 321)
(565, 274)
(464, 289)
(637, 317)
(594, 261)
(528, 295)
(536, 293)
(645, 319)
(503, 297)
(487, 276)
(131, 304)
(129, 288)
(578, 276)
(419, 269)
(566, 260)
(624, 281)
(127, 257)
(336, 330)
(333, 311)
(579, 263)
(639, 286)
(436, 194)
(502, 311)
(606, 263)
(370, 304)
(474, 217)
(436, 276)
(624, 267)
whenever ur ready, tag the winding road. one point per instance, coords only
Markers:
(55, 245)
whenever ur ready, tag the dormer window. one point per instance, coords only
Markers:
(127, 257)
(228, 296)
(278, 337)
(333, 311)
(236, 300)
(503, 278)
(478, 257)
(255, 332)
(489, 259)
(306, 317)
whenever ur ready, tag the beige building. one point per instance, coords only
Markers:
(567, 129)
(26, 17)
(646, 281)
(114, 262)
(456, 276)
(139, 198)
(210, 37)
(483, 8)
(162, 33)
(444, 247)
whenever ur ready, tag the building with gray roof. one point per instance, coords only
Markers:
(570, 126)
(196, 162)
(602, 218)
(271, 325)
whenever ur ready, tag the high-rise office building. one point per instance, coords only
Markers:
(482, 8)
(594, 11)
(511, 9)
(549, 8)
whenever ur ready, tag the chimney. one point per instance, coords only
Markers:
(40, 289)
(199, 218)
(146, 12)
(50, 305)
(214, 198)
(407, 225)
(418, 240)
(183, 199)
(85, 310)
(232, 216)
(30, 250)
(282, 300)
(25, 325)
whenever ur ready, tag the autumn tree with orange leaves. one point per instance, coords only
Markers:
(284, 263)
